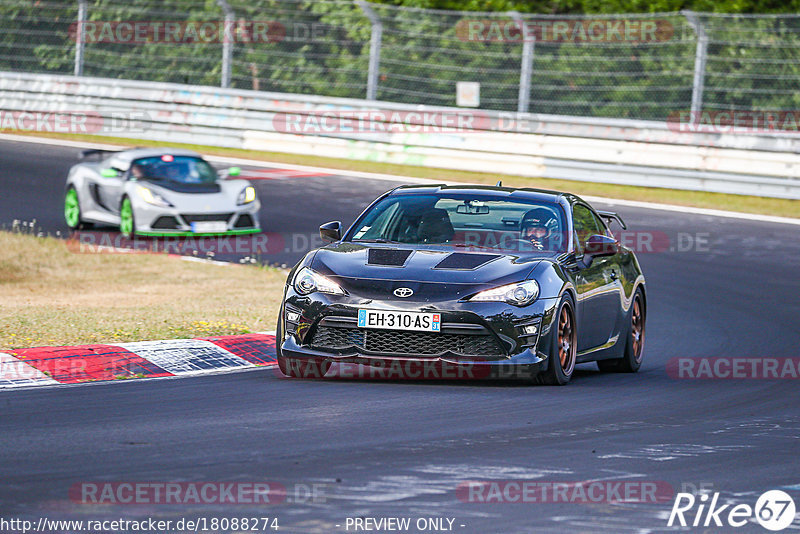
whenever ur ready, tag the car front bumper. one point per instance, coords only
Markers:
(164, 221)
(501, 328)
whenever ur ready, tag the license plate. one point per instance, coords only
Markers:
(400, 320)
(207, 227)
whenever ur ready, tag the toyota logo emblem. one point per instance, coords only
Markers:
(403, 292)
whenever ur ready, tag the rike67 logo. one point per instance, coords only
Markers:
(774, 510)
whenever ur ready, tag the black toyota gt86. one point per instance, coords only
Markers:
(513, 282)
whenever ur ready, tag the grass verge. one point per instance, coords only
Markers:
(700, 199)
(52, 296)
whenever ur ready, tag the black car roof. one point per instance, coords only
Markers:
(527, 193)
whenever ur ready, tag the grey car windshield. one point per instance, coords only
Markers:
(180, 169)
(480, 222)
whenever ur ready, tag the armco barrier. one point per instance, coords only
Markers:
(574, 148)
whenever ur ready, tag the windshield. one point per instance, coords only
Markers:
(480, 222)
(180, 169)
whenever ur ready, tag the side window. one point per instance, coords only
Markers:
(586, 224)
(378, 227)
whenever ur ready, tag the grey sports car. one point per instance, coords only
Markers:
(158, 192)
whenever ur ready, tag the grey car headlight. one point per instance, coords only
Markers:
(306, 281)
(519, 294)
(247, 195)
(153, 198)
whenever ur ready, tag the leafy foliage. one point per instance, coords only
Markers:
(323, 48)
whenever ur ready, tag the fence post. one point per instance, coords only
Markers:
(80, 37)
(526, 67)
(374, 49)
(699, 64)
(227, 43)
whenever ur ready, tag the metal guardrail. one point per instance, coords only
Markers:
(631, 152)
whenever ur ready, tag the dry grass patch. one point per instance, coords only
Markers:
(51, 296)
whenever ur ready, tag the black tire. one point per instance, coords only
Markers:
(563, 349)
(283, 365)
(634, 342)
(279, 337)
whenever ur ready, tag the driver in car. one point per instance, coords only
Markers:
(137, 171)
(535, 228)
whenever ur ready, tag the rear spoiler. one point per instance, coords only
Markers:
(95, 153)
(611, 216)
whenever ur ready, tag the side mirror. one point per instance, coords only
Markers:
(234, 171)
(331, 231)
(109, 173)
(600, 245)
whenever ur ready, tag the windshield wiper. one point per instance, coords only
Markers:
(376, 240)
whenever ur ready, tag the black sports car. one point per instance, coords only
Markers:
(509, 282)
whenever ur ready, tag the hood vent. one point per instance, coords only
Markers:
(464, 261)
(388, 257)
(179, 187)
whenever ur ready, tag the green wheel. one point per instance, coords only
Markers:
(127, 225)
(72, 209)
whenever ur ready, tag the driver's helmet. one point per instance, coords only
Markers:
(137, 170)
(536, 224)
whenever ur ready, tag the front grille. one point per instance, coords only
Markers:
(244, 221)
(202, 217)
(166, 222)
(404, 342)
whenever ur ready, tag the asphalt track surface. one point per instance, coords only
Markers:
(401, 448)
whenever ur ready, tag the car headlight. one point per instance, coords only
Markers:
(153, 198)
(247, 195)
(519, 294)
(306, 281)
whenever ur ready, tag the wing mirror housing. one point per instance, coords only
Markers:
(331, 231)
(234, 171)
(600, 245)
